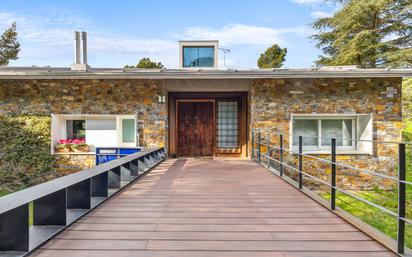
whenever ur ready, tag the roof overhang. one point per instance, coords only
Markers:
(106, 73)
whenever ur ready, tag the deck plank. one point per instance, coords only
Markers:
(205, 208)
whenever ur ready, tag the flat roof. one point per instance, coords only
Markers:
(133, 73)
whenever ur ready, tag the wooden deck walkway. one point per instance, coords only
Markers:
(203, 208)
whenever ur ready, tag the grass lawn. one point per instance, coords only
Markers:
(374, 217)
(388, 199)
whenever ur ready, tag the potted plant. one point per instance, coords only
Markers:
(63, 146)
(79, 145)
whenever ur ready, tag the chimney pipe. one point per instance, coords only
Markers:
(76, 47)
(84, 46)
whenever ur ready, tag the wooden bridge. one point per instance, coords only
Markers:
(205, 207)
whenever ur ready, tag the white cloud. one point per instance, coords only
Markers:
(320, 14)
(241, 34)
(307, 2)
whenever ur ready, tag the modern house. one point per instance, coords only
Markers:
(199, 110)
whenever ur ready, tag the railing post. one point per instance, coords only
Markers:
(401, 198)
(333, 175)
(253, 144)
(268, 149)
(281, 155)
(259, 138)
(300, 163)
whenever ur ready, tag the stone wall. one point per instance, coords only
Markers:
(44, 97)
(69, 163)
(272, 101)
(103, 96)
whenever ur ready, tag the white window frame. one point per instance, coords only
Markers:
(199, 43)
(59, 130)
(119, 127)
(320, 149)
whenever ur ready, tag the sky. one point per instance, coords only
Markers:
(124, 31)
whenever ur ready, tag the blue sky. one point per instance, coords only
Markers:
(121, 32)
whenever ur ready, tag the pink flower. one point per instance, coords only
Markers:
(64, 141)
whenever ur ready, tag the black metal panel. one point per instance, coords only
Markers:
(100, 185)
(79, 195)
(125, 172)
(134, 168)
(14, 229)
(50, 209)
(19, 198)
(114, 178)
(147, 161)
(141, 165)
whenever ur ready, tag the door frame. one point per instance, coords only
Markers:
(213, 101)
(244, 119)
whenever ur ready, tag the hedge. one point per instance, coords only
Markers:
(25, 158)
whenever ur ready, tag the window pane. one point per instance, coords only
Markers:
(128, 130)
(75, 129)
(227, 125)
(339, 129)
(198, 56)
(308, 129)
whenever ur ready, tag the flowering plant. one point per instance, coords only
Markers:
(69, 145)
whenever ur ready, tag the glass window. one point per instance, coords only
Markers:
(339, 129)
(75, 129)
(128, 131)
(308, 129)
(198, 56)
(227, 125)
(318, 132)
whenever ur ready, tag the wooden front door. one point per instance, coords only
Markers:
(195, 127)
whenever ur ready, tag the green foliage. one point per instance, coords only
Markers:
(25, 157)
(273, 57)
(146, 63)
(9, 47)
(374, 217)
(368, 33)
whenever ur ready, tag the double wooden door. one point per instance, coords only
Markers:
(195, 127)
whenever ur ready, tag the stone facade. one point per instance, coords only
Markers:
(88, 96)
(272, 101)
(69, 163)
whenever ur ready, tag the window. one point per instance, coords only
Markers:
(75, 129)
(128, 131)
(227, 126)
(198, 56)
(98, 130)
(318, 130)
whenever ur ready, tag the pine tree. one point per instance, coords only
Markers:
(273, 57)
(146, 63)
(368, 33)
(9, 47)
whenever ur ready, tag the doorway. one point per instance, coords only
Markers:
(207, 124)
(195, 127)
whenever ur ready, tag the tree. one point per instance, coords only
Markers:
(368, 33)
(146, 63)
(273, 57)
(9, 47)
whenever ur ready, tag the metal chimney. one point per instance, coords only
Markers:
(84, 47)
(80, 65)
(76, 47)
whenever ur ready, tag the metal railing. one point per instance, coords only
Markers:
(60, 202)
(401, 181)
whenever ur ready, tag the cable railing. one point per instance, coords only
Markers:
(401, 181)
(58, 203)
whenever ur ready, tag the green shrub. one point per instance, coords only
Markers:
(25, 157)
